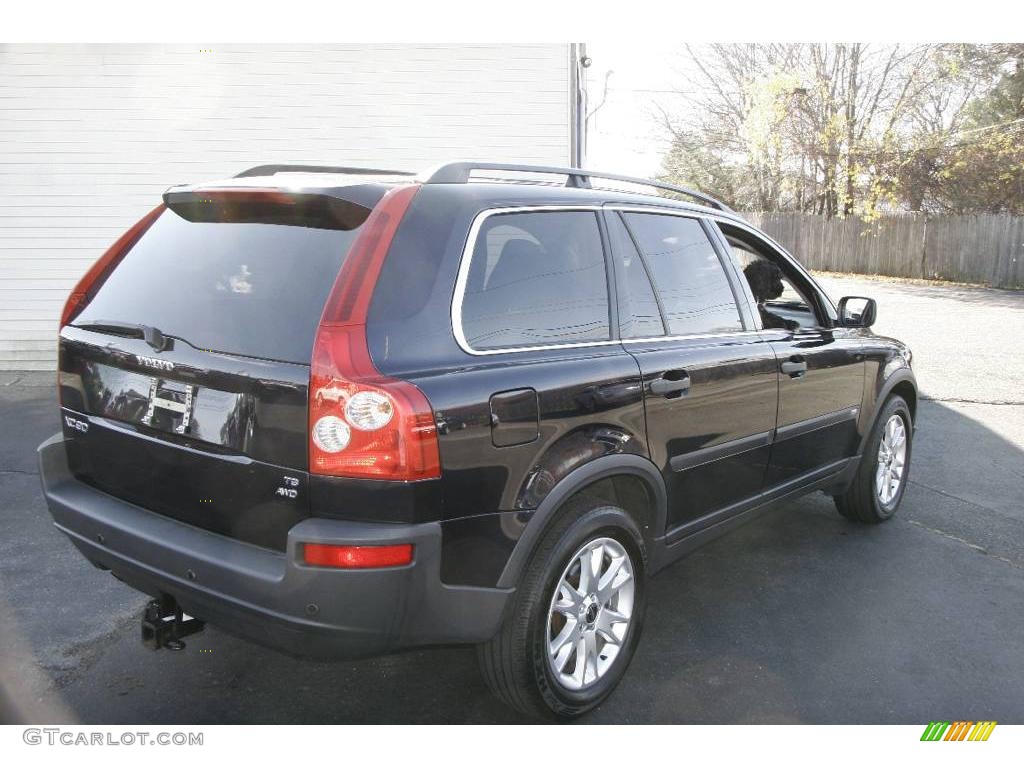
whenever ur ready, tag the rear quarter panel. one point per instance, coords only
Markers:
(589, 399)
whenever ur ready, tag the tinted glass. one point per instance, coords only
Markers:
(687, 274)
(245, 288)
(536, 278)
(639, 316)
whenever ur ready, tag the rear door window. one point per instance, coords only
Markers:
(244, 287)
(534, 279)
(639, 314)
(689, 278)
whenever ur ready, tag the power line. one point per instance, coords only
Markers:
(989, 127)
(645, 90)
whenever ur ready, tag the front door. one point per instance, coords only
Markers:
(821, 384)
(820, 370)
(710, 382)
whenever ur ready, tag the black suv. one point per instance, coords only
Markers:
(342, 411)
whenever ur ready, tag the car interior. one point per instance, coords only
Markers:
(793, 304)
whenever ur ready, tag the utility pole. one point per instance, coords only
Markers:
(579, 62)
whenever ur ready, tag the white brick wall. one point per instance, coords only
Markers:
(91, 135)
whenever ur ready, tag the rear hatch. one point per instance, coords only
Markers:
(184, 373)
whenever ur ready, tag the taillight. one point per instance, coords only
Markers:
(357, 556)
(361, 423)
(100, 271)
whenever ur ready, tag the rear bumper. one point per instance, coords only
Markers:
(270, 597)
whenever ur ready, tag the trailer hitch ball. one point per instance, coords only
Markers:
(164, 625)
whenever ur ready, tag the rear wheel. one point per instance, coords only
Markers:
(876, 491)
(576, 616)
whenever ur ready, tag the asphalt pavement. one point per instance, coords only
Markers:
(799, 616)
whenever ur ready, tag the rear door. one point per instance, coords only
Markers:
(710, 386)
(184, 377)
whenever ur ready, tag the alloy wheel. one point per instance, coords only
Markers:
(590, 613)
(892, 457)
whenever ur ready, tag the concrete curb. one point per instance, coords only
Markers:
(28, 378)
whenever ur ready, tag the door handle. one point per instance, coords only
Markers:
(796, 367)
(671, 383)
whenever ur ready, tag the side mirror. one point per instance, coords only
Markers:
(857, 312)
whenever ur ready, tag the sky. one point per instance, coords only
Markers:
(624, 134)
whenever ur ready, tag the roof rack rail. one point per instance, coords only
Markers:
(459, 173)
(270, 170)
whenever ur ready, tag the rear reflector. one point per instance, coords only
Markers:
(348, 556)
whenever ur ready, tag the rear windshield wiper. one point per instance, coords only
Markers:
(148, 333)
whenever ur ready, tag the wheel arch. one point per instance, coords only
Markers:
(902, 383)
(906, 389)
(627, 480)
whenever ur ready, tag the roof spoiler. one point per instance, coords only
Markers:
(270, 170)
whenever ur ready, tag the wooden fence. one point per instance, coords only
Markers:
(986, 249)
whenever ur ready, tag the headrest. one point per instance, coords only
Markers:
(518, 259)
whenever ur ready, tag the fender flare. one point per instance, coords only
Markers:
(899, 376)
(591, 472)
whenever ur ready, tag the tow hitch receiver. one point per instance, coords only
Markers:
(164, 625)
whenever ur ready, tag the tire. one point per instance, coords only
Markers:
(867, 500)
(516, 664)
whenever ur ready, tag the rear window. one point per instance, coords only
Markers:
(246, 288)
(536, 279)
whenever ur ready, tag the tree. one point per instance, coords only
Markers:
(980, 168)
(850, 128)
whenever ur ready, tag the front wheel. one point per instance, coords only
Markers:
(876, 491)
(576, 616)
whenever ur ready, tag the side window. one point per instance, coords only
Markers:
(688, 276)
(536, 278)
(782, 301)
(746, 256)
(639, 314)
